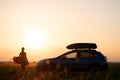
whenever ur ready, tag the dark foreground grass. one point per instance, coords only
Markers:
(14, 72)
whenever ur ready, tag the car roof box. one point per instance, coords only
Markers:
(82, 46)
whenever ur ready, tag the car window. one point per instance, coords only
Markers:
(71, 55)
(86, 54)
(95, 55)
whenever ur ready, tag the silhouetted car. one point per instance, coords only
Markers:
(78, 59)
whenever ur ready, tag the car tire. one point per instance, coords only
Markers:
(94, 68)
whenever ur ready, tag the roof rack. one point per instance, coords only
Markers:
(88, 46)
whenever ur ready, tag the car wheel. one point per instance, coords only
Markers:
(94, 68)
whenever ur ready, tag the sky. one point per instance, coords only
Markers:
(46, 27)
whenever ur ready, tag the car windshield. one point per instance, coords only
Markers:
(68, 53)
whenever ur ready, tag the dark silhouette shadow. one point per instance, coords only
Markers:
(21, 59)
(81, 57)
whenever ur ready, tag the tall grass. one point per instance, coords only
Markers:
(14, 72)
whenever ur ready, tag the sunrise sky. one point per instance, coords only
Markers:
(46, 27)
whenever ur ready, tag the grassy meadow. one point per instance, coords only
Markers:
(13, 71)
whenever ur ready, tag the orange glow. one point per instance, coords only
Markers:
(34, 40)
(46, 27)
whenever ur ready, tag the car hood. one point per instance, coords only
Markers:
(47, 61)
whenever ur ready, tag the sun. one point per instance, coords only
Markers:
(35, 40)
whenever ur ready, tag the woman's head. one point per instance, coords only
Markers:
(22, 48)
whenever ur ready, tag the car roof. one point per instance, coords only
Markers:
(90, 51)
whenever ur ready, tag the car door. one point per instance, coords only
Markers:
(85, 59)
(68, 60)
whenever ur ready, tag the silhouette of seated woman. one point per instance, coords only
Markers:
(23, 58)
